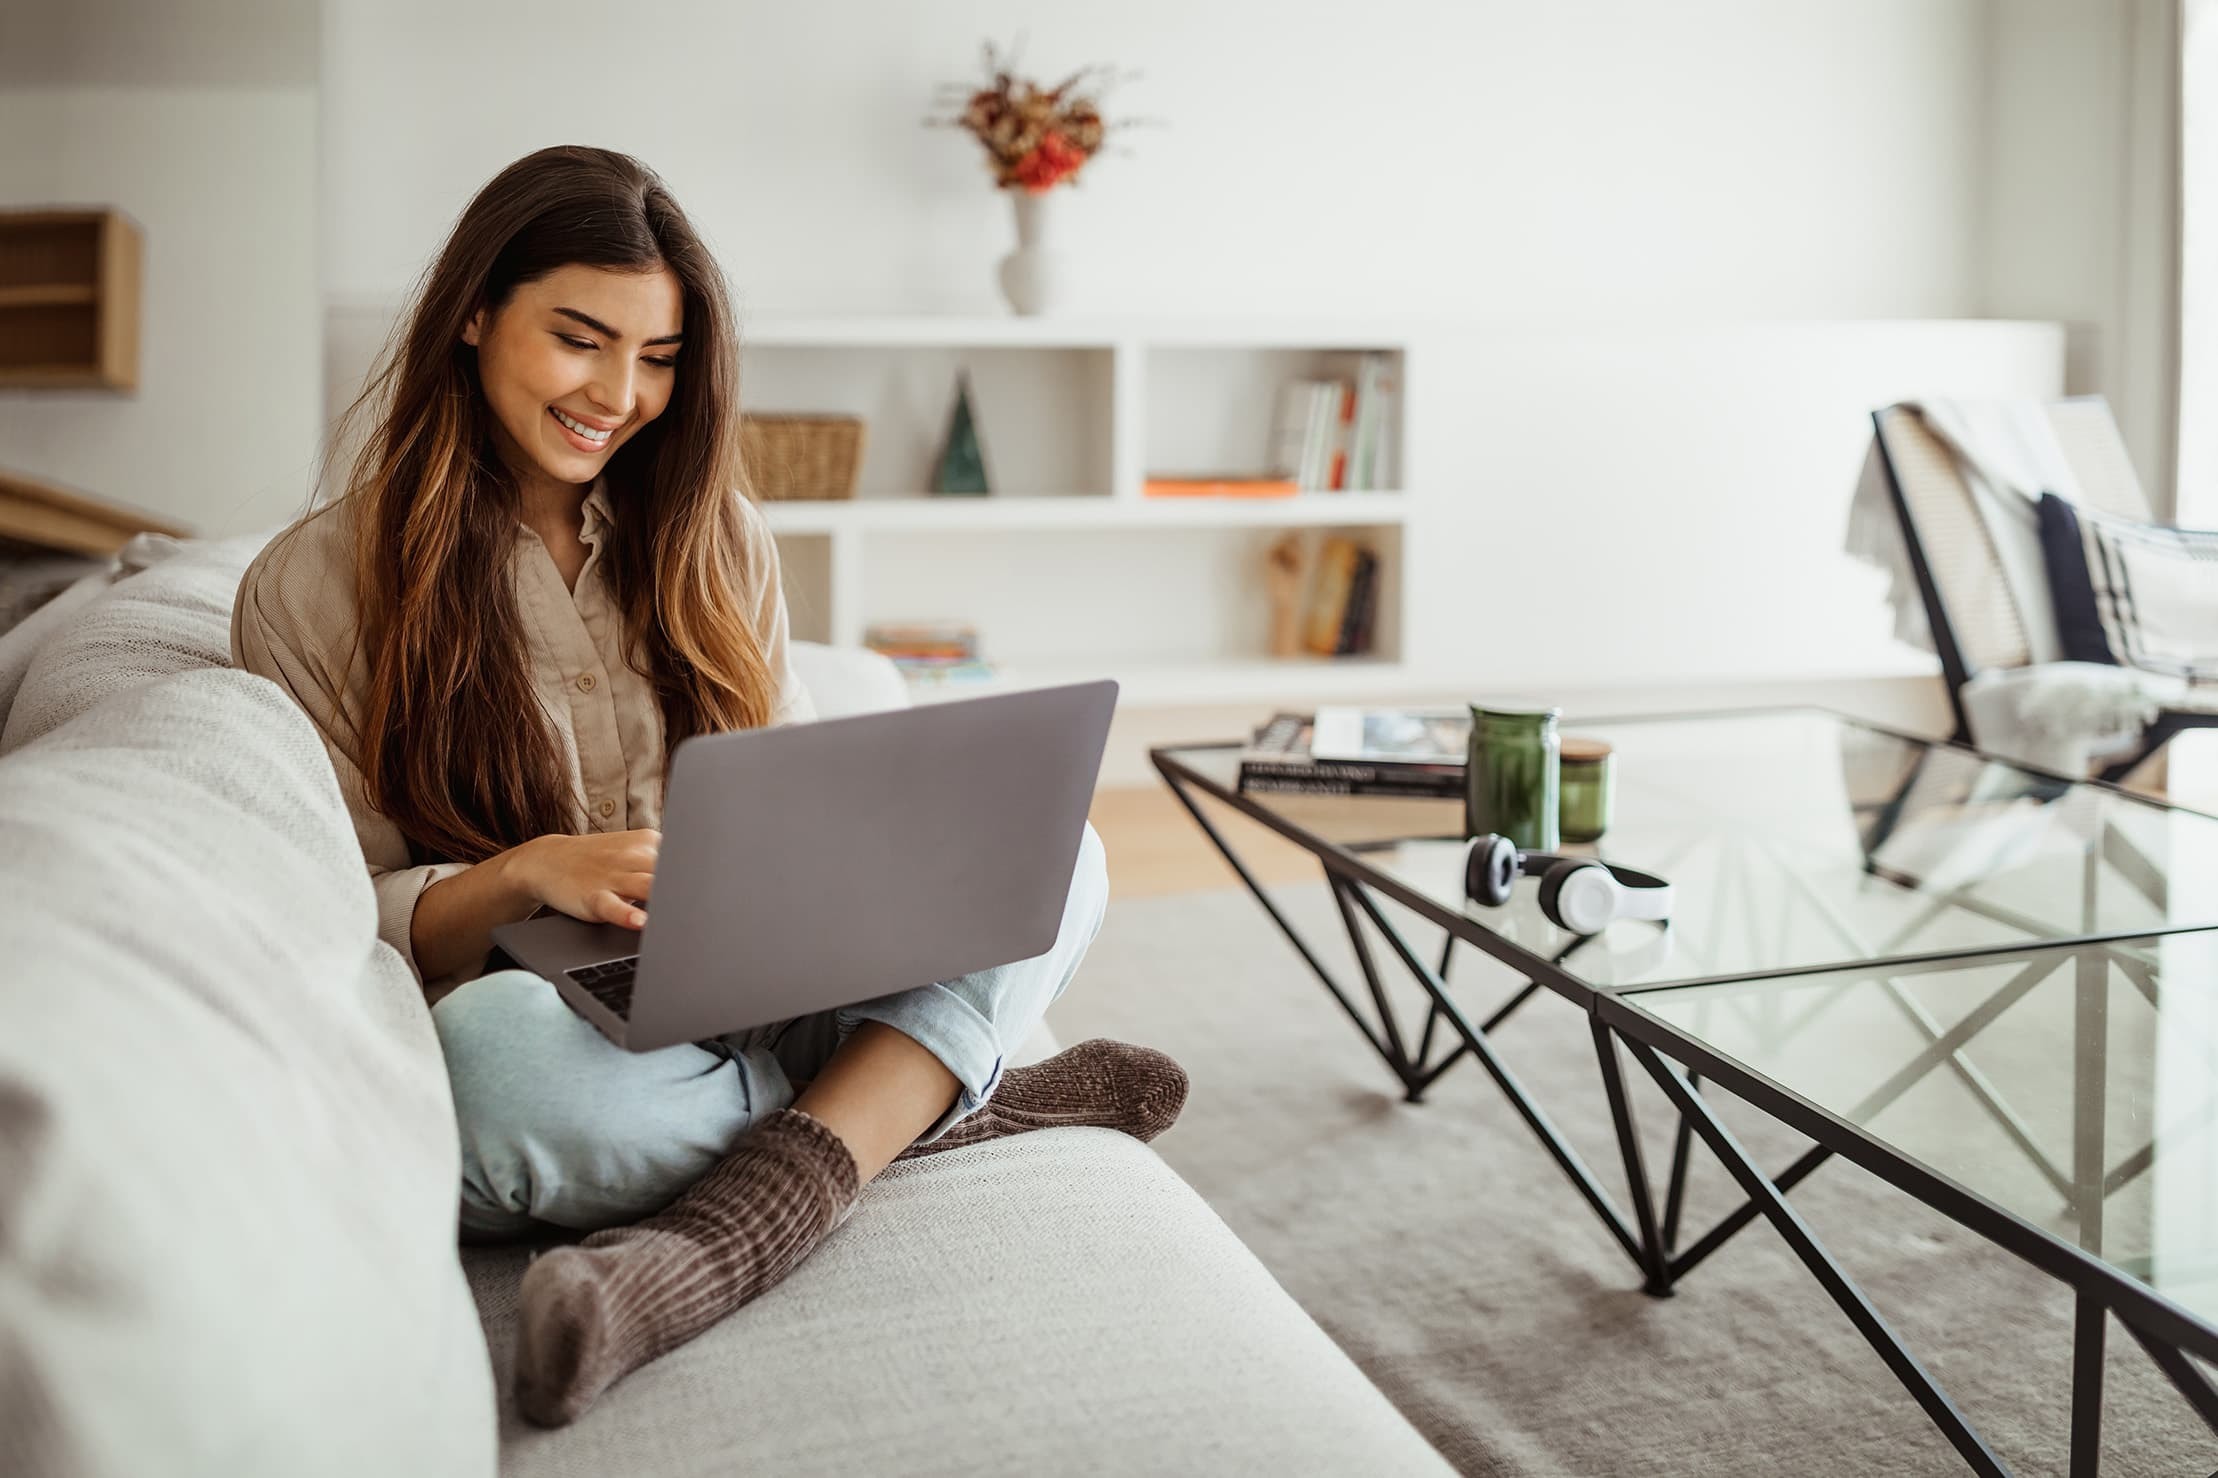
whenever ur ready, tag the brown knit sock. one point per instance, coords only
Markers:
(1111, 1085)
(594, 1312)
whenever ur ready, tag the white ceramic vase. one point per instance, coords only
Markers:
(1035, 278)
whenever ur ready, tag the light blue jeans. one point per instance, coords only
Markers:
(562, 1127)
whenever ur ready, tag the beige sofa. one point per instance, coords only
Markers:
(228, 1166)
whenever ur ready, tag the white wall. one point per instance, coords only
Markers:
(1641, 229)
(1667, 502)
(1801, 158)
(198, 119)
(2078, 202)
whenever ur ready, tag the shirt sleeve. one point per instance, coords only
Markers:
(766, 581)
(276, 637)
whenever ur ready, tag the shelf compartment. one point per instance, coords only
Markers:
(69, 300)
(1187, 599)
(40, 339)
(1044, 414)
(48, 295)
(1214, 409)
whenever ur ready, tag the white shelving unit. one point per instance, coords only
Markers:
(1067, 569)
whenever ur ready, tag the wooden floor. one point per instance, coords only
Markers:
(1154, 846)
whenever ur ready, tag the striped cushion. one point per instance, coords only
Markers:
(2132, 594)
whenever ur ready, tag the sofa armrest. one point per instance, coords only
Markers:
(847, 680)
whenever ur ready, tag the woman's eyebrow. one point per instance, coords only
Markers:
(603, 329)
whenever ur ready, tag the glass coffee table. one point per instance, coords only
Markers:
(1994, 988)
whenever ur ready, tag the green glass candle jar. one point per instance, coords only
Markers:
(1511, 779)
(1586, 788)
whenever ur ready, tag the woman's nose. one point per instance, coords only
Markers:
(612, 393)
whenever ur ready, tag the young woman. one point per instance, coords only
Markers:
(541, 575)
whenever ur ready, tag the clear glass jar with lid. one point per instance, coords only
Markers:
(1586, 789)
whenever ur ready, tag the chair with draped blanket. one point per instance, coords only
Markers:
(1987, 600)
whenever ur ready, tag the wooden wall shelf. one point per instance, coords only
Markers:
(69, 300)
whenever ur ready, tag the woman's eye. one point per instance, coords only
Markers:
(662, 361)
(575, 343)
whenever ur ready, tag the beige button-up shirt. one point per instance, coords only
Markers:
(294, 622)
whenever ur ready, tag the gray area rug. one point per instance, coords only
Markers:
(1442, 1248)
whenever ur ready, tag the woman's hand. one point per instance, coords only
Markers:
(596, 878)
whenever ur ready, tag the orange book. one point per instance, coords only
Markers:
(1219, 487)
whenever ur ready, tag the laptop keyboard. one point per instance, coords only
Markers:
(609, 983)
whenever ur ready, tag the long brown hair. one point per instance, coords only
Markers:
(455, 746)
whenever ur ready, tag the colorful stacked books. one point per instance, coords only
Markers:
(1401, 752)
(1331, 435)
(931, 651)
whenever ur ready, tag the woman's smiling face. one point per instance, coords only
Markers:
(575, 363)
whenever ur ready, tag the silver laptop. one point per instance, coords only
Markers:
(815, 865)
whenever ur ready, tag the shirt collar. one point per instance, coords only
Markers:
(600, 515)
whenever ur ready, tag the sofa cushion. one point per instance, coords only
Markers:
(1060, 1302)
(21, 641)
(227, 1152)
(847, 680)
(174, 616)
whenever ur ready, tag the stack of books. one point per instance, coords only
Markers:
(1330, 435)
(1343, 608)
(1355, 751)
(931, 651)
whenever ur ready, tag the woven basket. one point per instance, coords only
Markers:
(800, 457)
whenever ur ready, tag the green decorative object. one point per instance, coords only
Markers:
(962, 465)
(1511, 780)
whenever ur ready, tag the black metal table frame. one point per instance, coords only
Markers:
(1679, 1064)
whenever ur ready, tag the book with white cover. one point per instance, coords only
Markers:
(1393, 736)
(1289, 454)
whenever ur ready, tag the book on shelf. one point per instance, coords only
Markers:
(933, 672)
(1366, 614)
(1362, 595)
(1279, 760)
(1301, 437)
(922, 640)
(1220, 485)
(1343, 434)
(1330, 435)
(1343, 599)
(1375, 385)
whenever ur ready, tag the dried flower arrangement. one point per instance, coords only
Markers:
(1035, 137)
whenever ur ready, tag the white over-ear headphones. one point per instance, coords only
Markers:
(1576, 893)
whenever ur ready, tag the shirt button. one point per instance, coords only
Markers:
(585, 683)
(608, 809)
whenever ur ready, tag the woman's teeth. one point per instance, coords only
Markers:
(581, 428)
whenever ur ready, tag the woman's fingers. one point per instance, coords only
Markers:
(612, 909)
(635, 885)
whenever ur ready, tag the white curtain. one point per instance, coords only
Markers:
(2197, 503)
